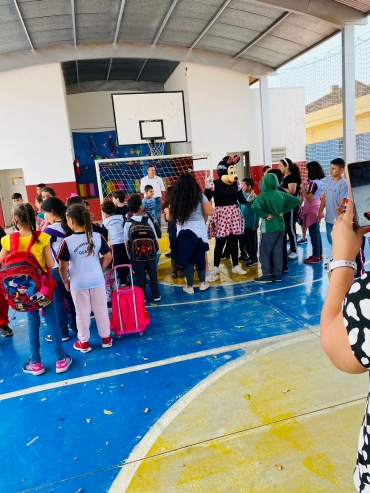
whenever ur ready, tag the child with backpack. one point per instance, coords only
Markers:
(142, 245)
(21, 288)
(79, 254)
(55, 215)
(114, 223)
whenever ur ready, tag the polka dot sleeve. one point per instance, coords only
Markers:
(356, 313)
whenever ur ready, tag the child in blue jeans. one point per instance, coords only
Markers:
(25, 220)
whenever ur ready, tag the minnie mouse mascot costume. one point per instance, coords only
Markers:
(227, 222)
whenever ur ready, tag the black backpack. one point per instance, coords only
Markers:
(142, 243)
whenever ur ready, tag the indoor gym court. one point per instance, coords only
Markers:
(227, 390)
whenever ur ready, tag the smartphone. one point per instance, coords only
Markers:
(359, 179)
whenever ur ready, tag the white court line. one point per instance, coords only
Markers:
(124, 477)
(194, 302)
(144, 366)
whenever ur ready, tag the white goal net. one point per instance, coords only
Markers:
(125, 174)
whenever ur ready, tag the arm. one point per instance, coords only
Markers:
(49, 257)
(240, 197)
(322, 206)
(290, 202)
(3, 253)
(106, 260)
(305, 194)
(208, 209)
(256, 221)
(257, 209)
(208, 193)
(292, 187)
(63, 271)
(333, 333)
(142, 185)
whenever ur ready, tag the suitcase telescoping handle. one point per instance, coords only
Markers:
(115, 267)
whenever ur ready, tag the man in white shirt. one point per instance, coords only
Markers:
(158, 186)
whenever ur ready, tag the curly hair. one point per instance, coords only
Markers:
(185, 197)
(81, 216)
(26, 215)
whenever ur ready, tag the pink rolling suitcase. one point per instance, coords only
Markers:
(129, 314)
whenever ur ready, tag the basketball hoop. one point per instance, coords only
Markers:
(156, 147)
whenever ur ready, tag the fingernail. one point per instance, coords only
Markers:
(347, 200)
(368, 230)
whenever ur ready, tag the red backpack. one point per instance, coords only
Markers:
(24, 283)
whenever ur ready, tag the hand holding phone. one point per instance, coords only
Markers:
(359, 184)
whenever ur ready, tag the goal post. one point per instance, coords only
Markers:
(126, 173)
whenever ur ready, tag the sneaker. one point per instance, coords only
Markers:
(49, 339)
(158, 298)
(312, 260)
(203, 286)
(321, 257)
(84, 347)
(302, 241)
(211, 277)
(6, 331)
(106, 342)
(251, 263)
(276, 277)
(215, 270)
(238, 270)
(263, 280)
(63, 364)
(293, 255)
(34, 368)
(189, 290)
(285, 271)
(243, 258)
(168, 254)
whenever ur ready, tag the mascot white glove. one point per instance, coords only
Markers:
(209, 181)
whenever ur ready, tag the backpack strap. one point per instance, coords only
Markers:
(14, 242)
(33, 240)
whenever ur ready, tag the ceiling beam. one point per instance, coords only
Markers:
(24, 26)
(90, 51)
(74, 23)
(109, 68)
(210, 24)
(114, 85)
(165, 20)
(119, 20)
(262, 35)
(141, 70)
(77, 74)
(327, 10)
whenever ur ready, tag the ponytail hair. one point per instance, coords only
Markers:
(26, 215)
(293, 168)
(81, 216)
(56, 206)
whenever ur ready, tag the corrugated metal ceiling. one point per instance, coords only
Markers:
(235, 28)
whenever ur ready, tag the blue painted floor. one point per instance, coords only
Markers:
(68, 453)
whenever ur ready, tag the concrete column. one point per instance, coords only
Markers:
(349, 92)
(265, 118)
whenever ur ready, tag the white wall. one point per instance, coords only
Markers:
(224, 116)
(179, 82)
(34, 126)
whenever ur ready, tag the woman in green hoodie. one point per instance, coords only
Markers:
(270, 206)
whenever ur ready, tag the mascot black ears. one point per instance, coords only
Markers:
(226, 169)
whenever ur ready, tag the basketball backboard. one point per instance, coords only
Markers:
(145, 116)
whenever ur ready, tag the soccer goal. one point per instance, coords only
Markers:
(126, 173)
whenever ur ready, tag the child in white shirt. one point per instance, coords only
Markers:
(79, 254)
(113, 223)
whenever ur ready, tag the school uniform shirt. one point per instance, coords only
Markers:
(55, 241)
(24, 241)
(85, 272)
(334, 191)
(156, 183)
(114, 225)
(316, 187)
